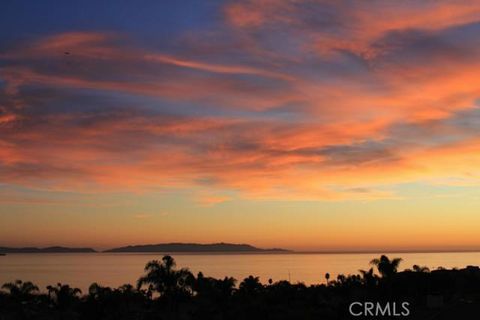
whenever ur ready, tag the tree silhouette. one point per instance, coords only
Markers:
(96, 291)
(212, 288)
(64, 294)
(227, 286)
(417, 268)
(251, 285)
(368, 278)
(20, 289)
(385, 266)
(182, 296)
(341, 279)
(162, 277)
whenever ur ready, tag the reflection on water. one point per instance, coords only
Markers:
(115, 269)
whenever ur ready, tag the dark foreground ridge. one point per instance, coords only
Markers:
(194, 247)
(165, 292)
(45, 250)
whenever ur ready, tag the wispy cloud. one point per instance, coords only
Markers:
(286, 101)
(211, 200)
(142, 216)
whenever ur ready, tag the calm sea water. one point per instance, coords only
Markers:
(80, 270)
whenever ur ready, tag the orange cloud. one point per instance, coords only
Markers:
(349, 104)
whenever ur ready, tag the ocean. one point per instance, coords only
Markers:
(115, 269)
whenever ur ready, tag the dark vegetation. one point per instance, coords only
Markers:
(166, 292)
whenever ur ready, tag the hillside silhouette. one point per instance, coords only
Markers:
(193, 247)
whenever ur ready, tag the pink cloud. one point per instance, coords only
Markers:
(309, 114)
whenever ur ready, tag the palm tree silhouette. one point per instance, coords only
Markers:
(327, 277)
(165, 280)
(385, 266)
(251, 285)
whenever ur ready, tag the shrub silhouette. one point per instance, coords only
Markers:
(20, 290)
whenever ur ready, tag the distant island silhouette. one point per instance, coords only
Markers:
(194, 247)
(161, 247)
(55, 249)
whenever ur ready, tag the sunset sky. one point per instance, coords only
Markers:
(308, 125)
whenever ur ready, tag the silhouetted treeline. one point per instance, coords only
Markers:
(166, 292)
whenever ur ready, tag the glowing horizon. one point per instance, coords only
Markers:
(308, 125)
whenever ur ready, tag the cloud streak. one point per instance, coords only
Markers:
(314, 101)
